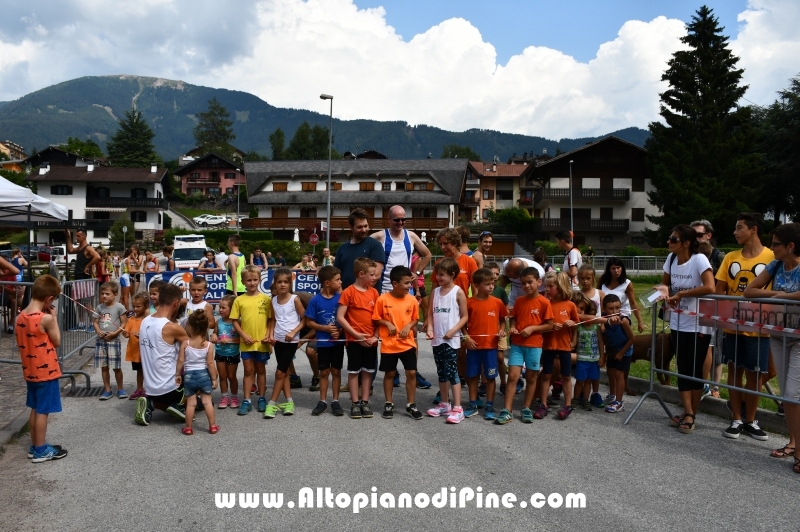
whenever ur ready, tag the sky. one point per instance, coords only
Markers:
(571, 68)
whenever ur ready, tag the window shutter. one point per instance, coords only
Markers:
(430, 186)
(409, 186)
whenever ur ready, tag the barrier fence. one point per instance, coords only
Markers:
(733, 331)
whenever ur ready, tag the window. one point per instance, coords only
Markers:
(214, 176)
(139, 193)
(309, 185)
(606, 239)
(488, 195)
(637, 214)
(386, 186)
(637, 240)
(279, 187)
(214, 191)
(230, 175)
(421, 186)
(99, 192)
(159, 218)
(423, 212)
(638, 184)
(61, 190)
(308, 212)
(194, 176)
(191, 191)
(365, 186)
(278, 212)
(138, 216)
(485, 214)
(97, 215)
(400, 185)
(138, 235)
(336, 186)
(505, 194)
(229, 190)
(469, 174)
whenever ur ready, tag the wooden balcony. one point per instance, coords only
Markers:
(582, 194)
(76, 223)
(340, 223)
(581, 224)
(203, 180)
(142, 203)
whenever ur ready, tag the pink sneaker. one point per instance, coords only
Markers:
(223, 403)
(439, 410)
(456, 415)
(234, 402)
(136, 394)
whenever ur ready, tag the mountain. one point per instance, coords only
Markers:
(89, 107)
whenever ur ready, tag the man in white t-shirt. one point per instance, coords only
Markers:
(511, 271)
(221, 258)
(572, 259)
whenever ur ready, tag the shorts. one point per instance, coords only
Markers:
(482, 357)
(748, 352)
(229, 360)
(502, 345)
(421, 291)
(446, 358)
(125, 280)
(786, 356)
(548, 362)
(620, 365)
(170, 398)
(108, 354)
(408, 358)
(259, 357)
(529, 356)
(360, 358)
(690, 349)
(330, 357)
(587, 371)
(136, 366)
(284, 354)
(44, 397)
(232, 293)
(198, 380)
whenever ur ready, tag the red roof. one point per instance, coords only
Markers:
(111, 174)
(503, 169)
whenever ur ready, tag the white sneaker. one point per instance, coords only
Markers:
(456, 415)
(440, 410)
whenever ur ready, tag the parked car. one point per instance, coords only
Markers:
(199, 219)
(214, 221)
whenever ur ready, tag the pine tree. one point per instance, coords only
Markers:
(132, 144)
(702, 160)
(214, 130)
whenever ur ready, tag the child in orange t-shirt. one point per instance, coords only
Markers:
(530, 317)
(486, 325)
(356, 307)
(396, 314)
(450, 241)
(558, 342)
(141, 309)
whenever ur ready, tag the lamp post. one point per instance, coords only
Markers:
(238, 204)
(571, 219)
(330, 149)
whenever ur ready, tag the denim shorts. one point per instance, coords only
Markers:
(748, 352)
(44, 397)
(587, 371)
(194, 381)
(520, 354)
(256, 356)
(482, 357)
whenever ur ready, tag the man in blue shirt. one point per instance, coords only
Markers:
(360, 245)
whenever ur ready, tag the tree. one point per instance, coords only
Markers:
(308, 144)
(454, 151)
(115, 234)
(278, 142)
(702, 160)
(214, 130)
(253, 155)
(85, 148)
(132, 144)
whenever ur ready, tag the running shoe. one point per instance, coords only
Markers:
(270, 411)
(586, 405)
(564, 412)
(438, 398)
(780, 410)
(287, 407)
(122, 394)
(262, 404)
(482, 390)
(541, 412)
(295, 382)
(608, 399)
(314, 384)
(177, 412)
(706, 391)
(504, 417)
(597, 400)
(614, 407)
(234, 402)
(32, 449)
(106, 395)
(396, 380)
(49, 453)
(355, 411)
(144, 411)
(414, 412)
(527, 415)
(520, 386)
(488, 414)
(441, 409)
(321, 407)
(366, 411)
(245, 408)
(456, 416)
(388, 411)
(224, 402)
(480, 403)
(470, 410)
(336, 409)
(422, 382)
(253, 389)
(502, 390)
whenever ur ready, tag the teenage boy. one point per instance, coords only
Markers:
(530, 317)
(747, 353)
(38, 336)
(236, 263)
(572, 257)
(321, 316)
(356, 306)
(396, 314)
(485, 327)
(109, 323)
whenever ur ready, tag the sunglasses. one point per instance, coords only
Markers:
(673, 240)
(776, 244)
(399, 220)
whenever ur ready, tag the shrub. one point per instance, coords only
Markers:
(549, 247)
(631, 251)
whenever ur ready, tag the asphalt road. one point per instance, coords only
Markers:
(644, 476)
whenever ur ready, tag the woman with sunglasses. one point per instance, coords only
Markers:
(784, 274)
(688, 276)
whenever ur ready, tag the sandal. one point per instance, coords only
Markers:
(675, 421)
(213, 429)
(187, 430)
(782, 452)
(686, 427)
(796, 467)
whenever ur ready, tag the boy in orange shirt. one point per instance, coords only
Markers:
(530, 317)
(396, 313)
(486, 325)
(356, 307)
(141, 310)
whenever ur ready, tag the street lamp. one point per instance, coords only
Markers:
(330, 149)
(238, 202)
(571, 219)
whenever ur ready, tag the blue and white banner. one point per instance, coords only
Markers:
(301, 282)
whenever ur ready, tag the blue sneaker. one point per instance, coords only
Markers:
(396, 381)
(262, 404)
(520, 386)
(32, 449)
(488, 414)
(597, 400)
(422, 383)
(438, 398)
(482, 390)
(105, 396)
(245, 408)
(470, 410)
(481, 403)
(122, 394)
(49, 453)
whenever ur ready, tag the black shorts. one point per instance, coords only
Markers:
(284, 354)
(136, 366)
(690, 353)
(232, 293)
(421, 291)
(170, 398)
(360, 358)
(408, 358)
(564, 357)
(330, 357)
(231, 361)
(622, 365)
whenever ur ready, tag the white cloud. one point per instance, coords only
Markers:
(289, 51)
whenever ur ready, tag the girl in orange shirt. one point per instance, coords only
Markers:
(558, 342)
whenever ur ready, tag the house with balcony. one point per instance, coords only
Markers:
(210, 175)
(57, 156)
(609, 194)
(14, 156)
(96, 196)
(293, 195)
(491, 186)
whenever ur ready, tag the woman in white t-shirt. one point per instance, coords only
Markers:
(688, 276)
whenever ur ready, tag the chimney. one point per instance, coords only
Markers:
(544, 151)
(524, 156)
(44, 168)
(153, 168)
(90, 168)
(494, 167)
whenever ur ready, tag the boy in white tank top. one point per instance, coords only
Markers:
(198, 288)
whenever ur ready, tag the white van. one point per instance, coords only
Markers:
(188, 251)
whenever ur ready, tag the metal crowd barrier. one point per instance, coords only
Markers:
(76, 305)
(776, 320)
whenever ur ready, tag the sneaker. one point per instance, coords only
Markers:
(608, 399)
(456, 416)
(504, 417)
(551, 401)
(706, 391)
(321, 407)
(470, 410)
(488, 414)
(597, 400)
(586, 405)
(287, 407)
(344, 388)
(224, 402)
(105, 396)
(234, 402)
(780, 410)
(482, 390)
(441, 409)
(388, 411)
(541, 412)
(270, 411)
(734, 430)
(396, 380)
(31, 450)
(336, 409)
(520, 386)
(253, 389)
(122, 394)
(564, 412)
(49, 453)
(245, 408)
(355, 411)
(176, 412)
(144, 411)
(715, 393)
(422, 383)
(754, 431)
(414, 412)
(262, 404)
(481, 403)
(366, 411)
(502, 390)
(314, 384)
(438, 398)
(295, 382)
(137, 393)
(614, 407)
(526, 415)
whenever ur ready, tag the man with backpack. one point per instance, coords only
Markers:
(705, 231)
